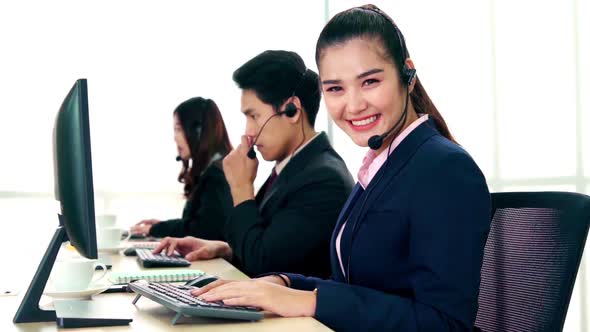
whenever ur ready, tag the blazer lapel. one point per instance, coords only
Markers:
(260, 194)
(397, 160)
(295, 165)
(280, 181)
(348, 206)
(357, 191)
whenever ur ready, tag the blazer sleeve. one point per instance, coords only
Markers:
(207, 220)
(294, 232)
(302, 282)
(204, 216)
(172, 227)
(450, 217)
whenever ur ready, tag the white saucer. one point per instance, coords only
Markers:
(85, 294)
(113, 250)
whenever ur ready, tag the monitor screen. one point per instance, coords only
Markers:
(73, 170)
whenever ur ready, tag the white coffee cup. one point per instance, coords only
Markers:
(75, 274)
(106, 220)
(109, 237)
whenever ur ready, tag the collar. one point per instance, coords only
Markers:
(281, 165)
(373, 162)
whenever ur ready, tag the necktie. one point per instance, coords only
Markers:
(270, 182)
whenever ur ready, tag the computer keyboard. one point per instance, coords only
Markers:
(144, 245)
(146, 258)
(179, 299)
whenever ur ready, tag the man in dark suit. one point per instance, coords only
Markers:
(287, 225)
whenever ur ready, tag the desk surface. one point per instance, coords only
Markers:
(150, 316)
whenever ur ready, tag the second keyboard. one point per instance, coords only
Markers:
(146, 258)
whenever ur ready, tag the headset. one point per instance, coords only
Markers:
(407, 77)
(290, 111)
(196, 127)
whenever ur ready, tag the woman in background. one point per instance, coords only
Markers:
(202, 143)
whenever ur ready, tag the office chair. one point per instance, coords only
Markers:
(531, 259)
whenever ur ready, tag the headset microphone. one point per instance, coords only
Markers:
(178, 158)
(376, 141)
(290, 111)
(252, 153)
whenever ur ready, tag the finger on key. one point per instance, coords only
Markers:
(163, 244)
(172, 247)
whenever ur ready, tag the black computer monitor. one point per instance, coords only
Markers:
(74, 191)
(73, 170)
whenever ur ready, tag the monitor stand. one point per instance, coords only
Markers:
(29, 311)
(78, 313)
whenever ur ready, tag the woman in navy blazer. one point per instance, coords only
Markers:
(407, 250)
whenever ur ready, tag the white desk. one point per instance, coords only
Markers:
(150, 316)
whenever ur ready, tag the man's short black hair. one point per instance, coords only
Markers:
(275, 75)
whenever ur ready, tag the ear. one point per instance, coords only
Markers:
(410, 64)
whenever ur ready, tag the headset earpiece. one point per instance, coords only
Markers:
(198, 131)
(408, 75)
(198, 124)
(290, 110)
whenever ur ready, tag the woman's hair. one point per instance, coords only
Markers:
(369, 22)
(206, 135)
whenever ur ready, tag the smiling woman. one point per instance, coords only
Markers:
(407, 248)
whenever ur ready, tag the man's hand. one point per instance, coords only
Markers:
(240, 172)
(143, 227)
(194, 249)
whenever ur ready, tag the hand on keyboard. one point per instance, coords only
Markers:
(194, 249)
(148, 259)
(179, 299)
(284, 301)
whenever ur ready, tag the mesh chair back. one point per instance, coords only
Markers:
(531, 259)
